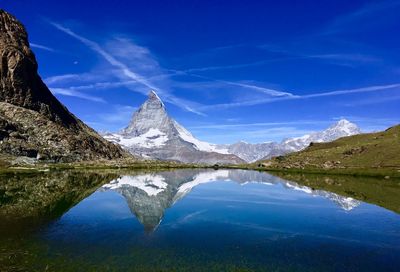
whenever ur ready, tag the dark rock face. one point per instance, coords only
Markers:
(19, 81)
(32, 121)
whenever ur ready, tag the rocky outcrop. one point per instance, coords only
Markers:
(28, 133)
(19, 81)
(33, 122)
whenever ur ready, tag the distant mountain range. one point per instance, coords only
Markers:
(254, 152)
(153, 134)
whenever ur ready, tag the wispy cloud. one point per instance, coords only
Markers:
(377, 88)
(288, 52)
(212, 83)
(260, 124)
(74, 93)
(39, 46)
(374, 100)
(254, 134)
(355, 57)
(232, 66)
(108, 57)
(61, 78)
(342, 59)
(291, 96)
(123, 49)
(268, 91)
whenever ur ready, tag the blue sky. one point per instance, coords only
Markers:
(226, 70)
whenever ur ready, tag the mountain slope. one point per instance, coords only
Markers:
(371, 150)
(33, 122)
(253, 152)
(153, 134)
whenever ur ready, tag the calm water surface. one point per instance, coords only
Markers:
(198, 220)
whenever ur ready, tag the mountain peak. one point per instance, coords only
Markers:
(346, 126)
(153, 97)
(151, 115)
(11, 30)
(343, 122)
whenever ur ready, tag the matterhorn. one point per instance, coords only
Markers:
(152, 134)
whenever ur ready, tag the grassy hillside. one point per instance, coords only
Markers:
(379, 150)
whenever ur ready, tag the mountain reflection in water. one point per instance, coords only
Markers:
(149, 195)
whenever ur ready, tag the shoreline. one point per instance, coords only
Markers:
(162, 165)
(357, 172)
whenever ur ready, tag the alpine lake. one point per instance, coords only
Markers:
(197, 220)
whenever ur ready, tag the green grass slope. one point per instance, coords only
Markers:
(379, 150)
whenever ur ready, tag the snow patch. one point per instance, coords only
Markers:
(151, 184)
(201, 178)
(152, 138)
(257, 182)
(199, 145)
(299, 188)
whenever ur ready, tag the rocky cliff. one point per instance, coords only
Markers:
(33, 122)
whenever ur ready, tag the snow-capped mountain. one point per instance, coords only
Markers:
(253, 152)
(340, 129)
(153, 134)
